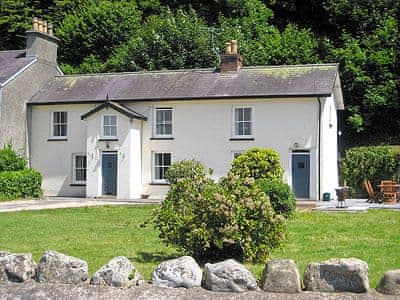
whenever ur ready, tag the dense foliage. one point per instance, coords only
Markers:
(362, 35)
(374, 163)
(20, 184)
(280, 195)
(16, 181)
(258, 163)
(209, 220)
(10, 160)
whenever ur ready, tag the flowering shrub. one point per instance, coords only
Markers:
(258, 163)
(232, 218)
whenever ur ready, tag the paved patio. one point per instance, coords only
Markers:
(353, 205)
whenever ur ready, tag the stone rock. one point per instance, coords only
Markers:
(4, 253)
(118, 272)
(56, 267)
(181, 272)
(228, 276)
(281, 276)
(16, 267)
(337, 275)
(390, 283)
(21, 267)
(4, 260)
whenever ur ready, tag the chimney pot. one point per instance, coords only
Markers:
(234, 47)
(35, 24)
(228, 48)
(45, 26)
(50, 29)
(40, 27)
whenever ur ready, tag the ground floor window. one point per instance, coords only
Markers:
(79, 169)
(161, 162)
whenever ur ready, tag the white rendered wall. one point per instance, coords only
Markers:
(128, 150)
(54, 158)
(329, 148)
(202, 130)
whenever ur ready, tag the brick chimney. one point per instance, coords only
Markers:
(40, 41)
(231, 60)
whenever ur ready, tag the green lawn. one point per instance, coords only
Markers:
(98, 234)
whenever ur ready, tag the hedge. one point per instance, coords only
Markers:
(374, 163)
(20, 184)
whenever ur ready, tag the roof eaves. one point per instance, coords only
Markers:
(83, 101)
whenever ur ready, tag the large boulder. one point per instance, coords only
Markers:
(118, 272)
(228, 276)
(281, 276)
(56, 267)
(337, 275)
(390, 283)
(181, 272)
(16, 267)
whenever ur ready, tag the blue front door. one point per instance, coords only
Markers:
(301, 175)
(109, 173)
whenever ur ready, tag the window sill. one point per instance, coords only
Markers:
(242, 139)
(108, 140)
(161, 138)
(77, 184)
(57, 139)
(158, 183)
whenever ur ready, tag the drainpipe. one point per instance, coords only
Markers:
(319, 149)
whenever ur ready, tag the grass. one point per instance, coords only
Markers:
(97, 234)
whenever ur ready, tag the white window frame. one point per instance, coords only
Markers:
(153, 166)
(102, 127)
(234, 133)
(155, 134)
(74, 168)
(52, 124)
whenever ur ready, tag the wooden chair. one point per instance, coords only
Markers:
(372, 195)
(388, 191)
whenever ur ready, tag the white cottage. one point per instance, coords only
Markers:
(116, 134)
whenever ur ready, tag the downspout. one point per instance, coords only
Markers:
(319, 149)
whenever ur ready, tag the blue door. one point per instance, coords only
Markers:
(109, 173)
(301, 175)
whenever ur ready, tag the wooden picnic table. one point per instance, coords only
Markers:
(390, 190)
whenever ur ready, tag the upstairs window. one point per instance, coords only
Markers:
(109, 126)
(79, 169)
(163, 122)
(161, 163)
(60, 121)
(242, 121)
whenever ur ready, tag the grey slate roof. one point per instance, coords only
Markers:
(266, 81)
(11, 62)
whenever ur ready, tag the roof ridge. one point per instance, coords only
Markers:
(199, 70)
(140, 72)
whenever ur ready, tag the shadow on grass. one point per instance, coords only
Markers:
(154, 257)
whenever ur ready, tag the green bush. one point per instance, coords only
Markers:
(280, 195)
(20, 184)
(10, 160)
(373, 163)
(209, 220)
(258, 163)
